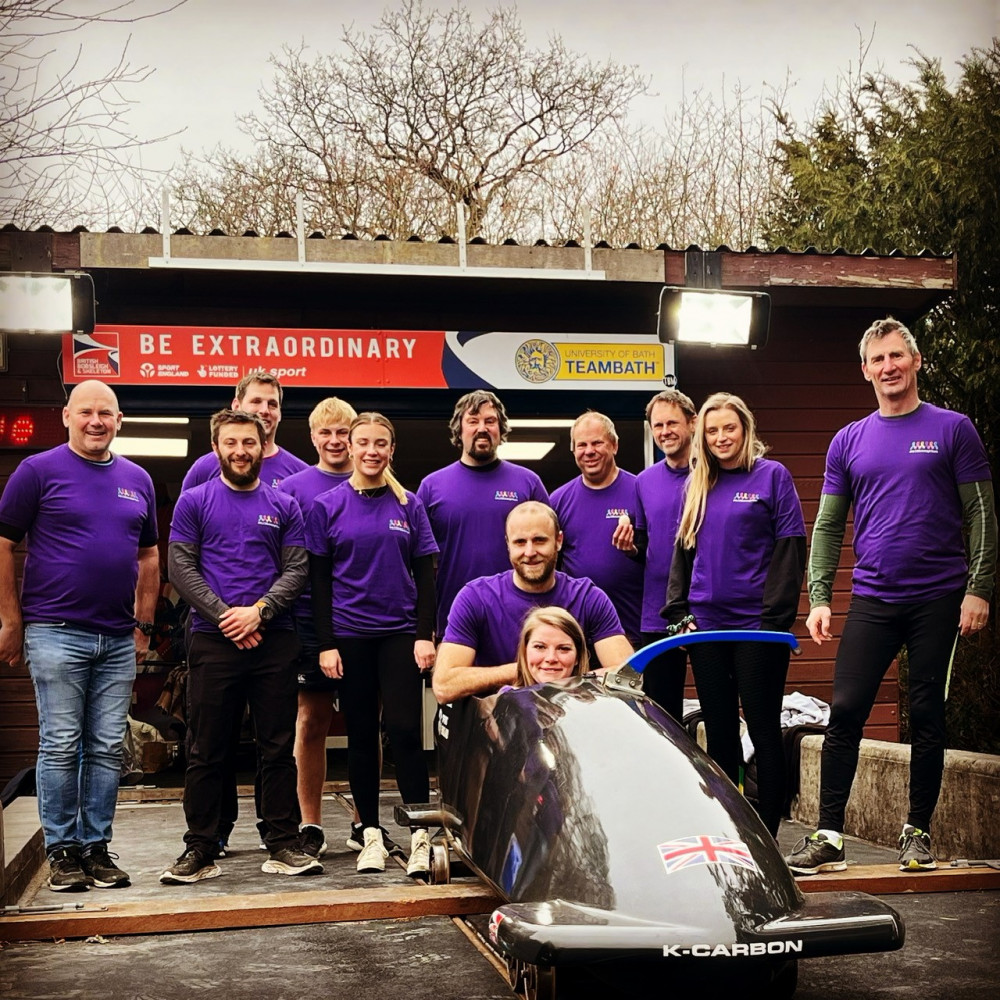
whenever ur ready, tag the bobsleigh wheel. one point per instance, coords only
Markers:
(538, 983)
(440, 864)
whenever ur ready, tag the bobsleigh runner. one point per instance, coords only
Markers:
(620, 846)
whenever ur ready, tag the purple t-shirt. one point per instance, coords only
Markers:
(305, 486)
(746, 512)
(273, 470)
(487, 614)
(372, 542)
(467, 508)
(240, 535)
(589, 518)
(85, 523)
(901, 474)
(660, 499)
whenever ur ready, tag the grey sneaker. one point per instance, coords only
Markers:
(814, 854)
(312, 841)
(289, 861)
(101, 867)
(191, 866)
(915, 850)
(66, 873)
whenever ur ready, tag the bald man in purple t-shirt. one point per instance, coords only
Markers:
(914, 474)
(480, 643)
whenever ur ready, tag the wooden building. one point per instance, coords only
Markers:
(803, 385)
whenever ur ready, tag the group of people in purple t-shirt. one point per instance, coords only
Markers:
(310, 583)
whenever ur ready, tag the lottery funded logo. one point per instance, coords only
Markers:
(96, 355)
(536, 361)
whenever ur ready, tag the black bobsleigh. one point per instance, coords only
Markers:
(619, 844)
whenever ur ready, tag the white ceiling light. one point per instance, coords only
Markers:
(525, 451)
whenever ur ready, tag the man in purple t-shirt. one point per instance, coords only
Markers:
(671, 416)
(480, 643)
(468, 502)
(237, 555)
(594, 510)
(913, 473)
(91, 579)
(260, 393)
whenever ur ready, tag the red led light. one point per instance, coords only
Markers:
(31, 428)
(22, 430)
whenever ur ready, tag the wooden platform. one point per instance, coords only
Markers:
(102, 915)
(888, 880)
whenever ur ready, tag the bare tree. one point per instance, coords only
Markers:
(66, 149)
(468, 108)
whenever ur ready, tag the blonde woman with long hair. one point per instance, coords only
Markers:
(551, 648)
(370, 555)
(738, 564)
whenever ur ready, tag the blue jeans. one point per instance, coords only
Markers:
(83, 689)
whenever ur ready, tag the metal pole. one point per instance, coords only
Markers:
(300, 227)
(462, 255)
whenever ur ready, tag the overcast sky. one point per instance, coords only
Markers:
(210, 56)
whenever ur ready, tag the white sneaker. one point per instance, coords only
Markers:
(419, 865)
(373, 854)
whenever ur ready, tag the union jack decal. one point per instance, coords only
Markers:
(704, 850)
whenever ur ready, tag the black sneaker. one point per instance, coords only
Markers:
(66, 874)
(289, 861)
(915, 850)
(312, 841)
(356, 841)
(191, 866)
(101, 867)
(814, 854)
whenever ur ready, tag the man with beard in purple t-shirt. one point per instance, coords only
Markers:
(91, 578)
(914, 474)
(480, 644)
(468, 502)
(260, 393)
(593, 510)
(237, 555)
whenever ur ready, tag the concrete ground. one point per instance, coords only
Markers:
(951, 949)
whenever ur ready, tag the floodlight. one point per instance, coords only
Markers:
(46, 303)
(711, 316)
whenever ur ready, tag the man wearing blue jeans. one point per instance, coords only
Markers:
(91, 578)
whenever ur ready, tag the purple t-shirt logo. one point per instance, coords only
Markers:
(613, 513)
(924, 448)
(510, 496)
(126, 494)
(399, 524)
(743, 497)
(270, 520)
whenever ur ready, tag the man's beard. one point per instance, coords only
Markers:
(536, 573)
(241, 478)
(482, 456)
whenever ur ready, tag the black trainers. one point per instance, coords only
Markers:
(66, 873)
(356, 841)
(312, 841)
(814, 854)
(289, 861)
(101, 867)
(915, 850)
(191, 866)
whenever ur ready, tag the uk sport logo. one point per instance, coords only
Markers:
(704, 850)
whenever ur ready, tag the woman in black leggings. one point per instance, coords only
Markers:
(371, 550)
(738, 564)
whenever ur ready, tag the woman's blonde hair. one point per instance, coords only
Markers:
(705, 466)
(555, 618)
(376, 418)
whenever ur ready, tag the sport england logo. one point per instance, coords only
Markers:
(270, 520)
(923, 447)
(507, 496)
(399, 524)
(704, 850)
(127, 494)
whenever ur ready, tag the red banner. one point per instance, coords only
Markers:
(199, 355)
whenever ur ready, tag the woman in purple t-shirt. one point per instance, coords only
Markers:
(372, 577)
(738, 564)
